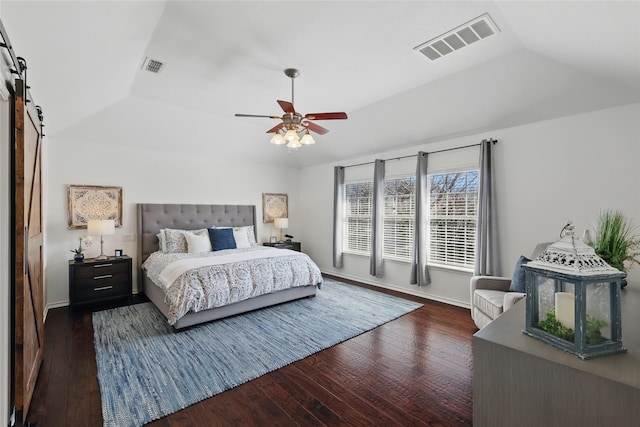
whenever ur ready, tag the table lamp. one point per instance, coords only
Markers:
(281, 223)
(101, 227)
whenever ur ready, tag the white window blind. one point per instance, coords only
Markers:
(357, 217)
(453, 200)
(399, 211)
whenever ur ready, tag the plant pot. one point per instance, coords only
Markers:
(78, 257)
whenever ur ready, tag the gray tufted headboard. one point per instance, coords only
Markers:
(154, 216)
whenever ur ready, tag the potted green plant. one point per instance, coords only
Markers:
(616, 242)
(84, 242)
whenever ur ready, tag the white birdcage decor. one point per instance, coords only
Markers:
(573, 299)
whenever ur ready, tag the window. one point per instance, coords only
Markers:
(452, 218)
(399, 212)
(357, 217)
(453, 198)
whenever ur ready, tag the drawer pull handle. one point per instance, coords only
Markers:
(103, 288)
(106, 276)
(102, 265)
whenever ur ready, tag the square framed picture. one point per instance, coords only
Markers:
(273, 239)
(274, 206)
(85, 202)
(118, 253)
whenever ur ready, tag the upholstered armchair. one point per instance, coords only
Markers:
(490, 296)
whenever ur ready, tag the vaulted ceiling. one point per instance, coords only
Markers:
(549, 59)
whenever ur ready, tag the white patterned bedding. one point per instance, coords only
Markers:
(245, 273)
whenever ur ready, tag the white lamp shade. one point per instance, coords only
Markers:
(307, 139)
(101, 227)
(281, 222)
(294, 144)
(277, 139)
(291, 136)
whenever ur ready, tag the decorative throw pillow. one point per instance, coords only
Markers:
(517, 281)
(175, 242)
(197, 244)
(160, 237)
(251, 236)
(222, 238)
(241, 237)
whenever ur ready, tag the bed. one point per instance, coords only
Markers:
(151, 218)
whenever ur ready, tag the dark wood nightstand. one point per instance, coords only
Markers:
(294, 246)
(97, 281)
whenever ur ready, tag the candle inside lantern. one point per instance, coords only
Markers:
(565, 309)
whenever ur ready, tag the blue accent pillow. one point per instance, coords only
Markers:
(221, 238)
(517, 281)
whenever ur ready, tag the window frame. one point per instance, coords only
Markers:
(468, 267)
(439, 263)
(387, 253)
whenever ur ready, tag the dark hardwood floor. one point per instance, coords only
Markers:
(413, 371)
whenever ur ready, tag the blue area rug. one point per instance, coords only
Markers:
(147, 371)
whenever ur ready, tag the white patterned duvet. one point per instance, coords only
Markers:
(195, 282)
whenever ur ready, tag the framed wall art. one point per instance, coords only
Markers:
(85, 202)
(274, 206)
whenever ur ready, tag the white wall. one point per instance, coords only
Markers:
(145, 177)
(547, 173)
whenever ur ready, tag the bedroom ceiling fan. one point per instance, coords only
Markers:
(294, 128)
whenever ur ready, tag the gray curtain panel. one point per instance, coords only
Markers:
(377, 223)
(419, 271)
(487, 253)
(338, 213)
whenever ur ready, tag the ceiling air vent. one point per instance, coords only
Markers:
(467, 33)
(152, 65)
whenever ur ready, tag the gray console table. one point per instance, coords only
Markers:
(521, 381)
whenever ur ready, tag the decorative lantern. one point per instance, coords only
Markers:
(573, 299)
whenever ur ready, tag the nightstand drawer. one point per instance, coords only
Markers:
(105, 268)
(100, 289)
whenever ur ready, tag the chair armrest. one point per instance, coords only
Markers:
(494, 283)
(511, 298)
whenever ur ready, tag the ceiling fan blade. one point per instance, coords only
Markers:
(257, 115)
(275, 128)
(326, 116)
(286, 106)
(315, 128)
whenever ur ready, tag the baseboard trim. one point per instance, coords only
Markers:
(397, 289)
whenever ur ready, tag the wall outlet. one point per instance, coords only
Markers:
(128, 237)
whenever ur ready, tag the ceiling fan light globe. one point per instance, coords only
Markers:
(277, 139)
(295, 144)
(291, 135)
(307, 139)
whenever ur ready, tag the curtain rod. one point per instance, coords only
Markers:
(429, 152)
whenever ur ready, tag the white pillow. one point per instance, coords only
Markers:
(250, 234)
(197, 244)
(241, 237)
(174, 240)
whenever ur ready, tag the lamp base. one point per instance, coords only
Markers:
(102, 256)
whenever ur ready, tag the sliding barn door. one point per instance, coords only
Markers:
(28, 309)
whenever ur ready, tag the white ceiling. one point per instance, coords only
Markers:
(550, 59)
